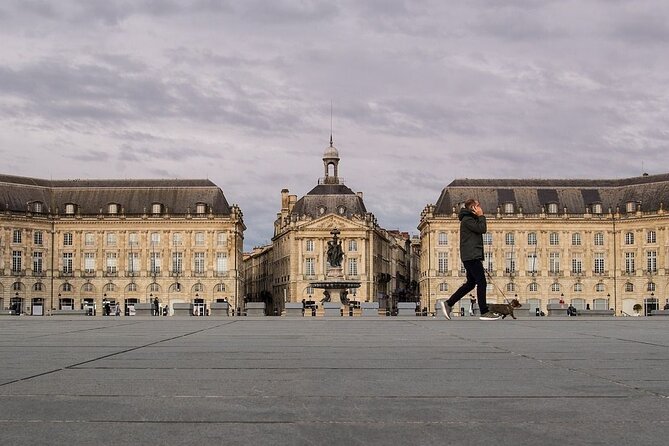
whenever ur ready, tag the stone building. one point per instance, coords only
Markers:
(77, 244)
(378, 258)
(601, 244)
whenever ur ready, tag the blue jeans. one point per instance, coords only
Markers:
(475, 279)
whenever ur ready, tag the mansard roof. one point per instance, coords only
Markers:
(331, 198)
(89, 196)
(650, 191)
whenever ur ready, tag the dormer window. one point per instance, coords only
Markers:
(112, 208)
(341, 210)
(508, 208)
(156, 208)
(70, 208)
(38, 207)
(552, 208)
(200, 208)
(321, 210)
(597, 208)
(630, 206)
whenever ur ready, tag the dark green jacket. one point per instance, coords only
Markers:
(472, 229)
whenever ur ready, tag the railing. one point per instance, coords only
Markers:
(221, 274)
(88, 274)
(110, 274)
(66, 274)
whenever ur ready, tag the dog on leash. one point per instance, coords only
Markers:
(504, 309)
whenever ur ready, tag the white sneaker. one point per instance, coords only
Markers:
(445, 309)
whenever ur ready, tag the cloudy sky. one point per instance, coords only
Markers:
(422, 92)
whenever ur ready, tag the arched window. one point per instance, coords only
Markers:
(156, 208)
(533, 287)
(112, 208)
(510, 287)
(552, 208)
(651, 286)
(555, 287)
(508, 208)
(198, 288)
(629, 287)
(220, 288)
(578, 287)
(443, 287)
(600, 288)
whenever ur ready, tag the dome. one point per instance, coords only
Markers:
(331, 152)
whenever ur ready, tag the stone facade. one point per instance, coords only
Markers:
(379, 259)
(598, 244)
(74, 245)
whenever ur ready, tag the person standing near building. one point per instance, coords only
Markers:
(156, 306)
(472, 227)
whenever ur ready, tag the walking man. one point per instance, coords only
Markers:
(472, 227)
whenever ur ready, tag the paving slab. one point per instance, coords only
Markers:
(269, 381)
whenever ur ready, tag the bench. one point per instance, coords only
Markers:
(659, 313)
(69, 312)
(369, 309)
(595, 313)
(294, 309)
(406, 308)
(255, 309)
(219, 309)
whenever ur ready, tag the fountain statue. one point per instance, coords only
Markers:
(334, 283)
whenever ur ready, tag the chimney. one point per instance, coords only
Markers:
(284, 199)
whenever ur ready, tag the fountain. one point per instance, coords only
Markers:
(334, 284)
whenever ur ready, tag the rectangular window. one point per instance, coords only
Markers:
(111, 263)
(576, 264)
(89, 262)
(38, 237)
(651, 237)
(111, 239)
(67, 239)
(309, 246)
(67, 262)
(177, 262)
(89, 239)
(532, 238)
(17, 236)
(629, 238)
(442, 262)
(155, 262)
(309, 269)
(599, 262)
(133, 262)
(221, 238)
(651, 261)
(176, 239)
(510, 263)
(221, 262)
(532, 262)
(599, 239)
(443, 239)
(352, 245)
(353, 267)
(554, 262)
(17, 257)
(199, 239)
(155, 238)
(576, 239)
(199, 262)
(133, 239)
(37, 262)
(629, 263)
(488, 262)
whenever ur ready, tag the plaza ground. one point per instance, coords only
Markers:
(349, 381)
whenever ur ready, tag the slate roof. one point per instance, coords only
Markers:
(330, 196)
(651, 191)
(134, 196)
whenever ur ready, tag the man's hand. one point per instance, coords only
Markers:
(478, 211)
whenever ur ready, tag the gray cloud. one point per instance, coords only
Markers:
(423, 92)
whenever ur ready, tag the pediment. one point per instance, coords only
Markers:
(329, 222)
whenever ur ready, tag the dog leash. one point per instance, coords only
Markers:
(487, 270)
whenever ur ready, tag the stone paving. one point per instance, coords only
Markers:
(348, 381)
